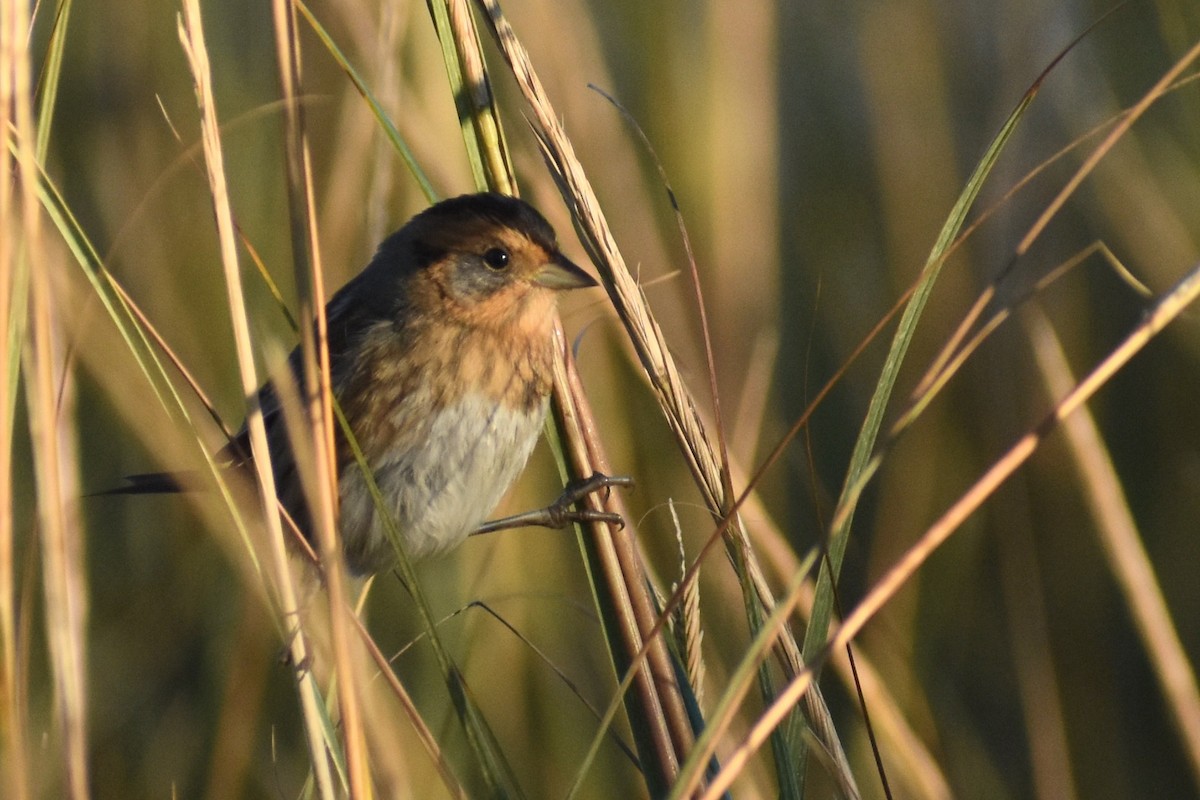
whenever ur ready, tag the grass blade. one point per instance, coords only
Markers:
(1122, 547)
(857, 473)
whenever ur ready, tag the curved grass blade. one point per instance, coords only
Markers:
(814, 638)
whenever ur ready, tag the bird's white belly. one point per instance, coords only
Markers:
(443, 488)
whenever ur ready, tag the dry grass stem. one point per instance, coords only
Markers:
(318, 475)
(13, 746)
(620, 565)
(1160, 88)
(424, 734)
(192, 37)
(1122, 547)
(49, 408)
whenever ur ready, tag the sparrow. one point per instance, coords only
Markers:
(440, 356)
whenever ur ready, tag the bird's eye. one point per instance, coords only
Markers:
(496, 258)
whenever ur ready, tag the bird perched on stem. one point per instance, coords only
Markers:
(440, 357)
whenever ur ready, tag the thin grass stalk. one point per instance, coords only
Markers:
(51, 74)
(424, 734)
(547, 661)
(62, 546)
(739, 684)
(1122, 548)
(64, 575)
(74, 574)
(440, 11)
(192, 37)
(14, 774)
(619, 578)
(320, 481)
(479, 100)
(959, 348)
(1164, 312)
(1160, 88)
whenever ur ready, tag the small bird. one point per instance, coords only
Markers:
(440, 357)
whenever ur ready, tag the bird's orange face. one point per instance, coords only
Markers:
(495, 278)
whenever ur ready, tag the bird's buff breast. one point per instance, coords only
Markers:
(471, 452)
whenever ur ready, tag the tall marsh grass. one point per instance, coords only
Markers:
(897, 341)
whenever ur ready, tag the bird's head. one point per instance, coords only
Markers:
(486, 260)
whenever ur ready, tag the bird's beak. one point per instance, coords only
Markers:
(560, 273)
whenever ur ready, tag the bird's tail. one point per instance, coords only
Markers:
(154, 483)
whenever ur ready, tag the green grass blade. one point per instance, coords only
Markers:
(818, 628)
(385, 122)
(51, 75)
(16, 314)
(459, 91)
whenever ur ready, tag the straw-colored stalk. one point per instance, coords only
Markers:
(285, 592)
(14, 777)
(319, 474)
(1122, 547)
(49, 400)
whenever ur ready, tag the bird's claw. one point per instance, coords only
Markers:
(580, 488)
(559, 514)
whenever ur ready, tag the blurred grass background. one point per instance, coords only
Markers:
(816, 149)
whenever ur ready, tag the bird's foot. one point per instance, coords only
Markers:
(560, 513)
